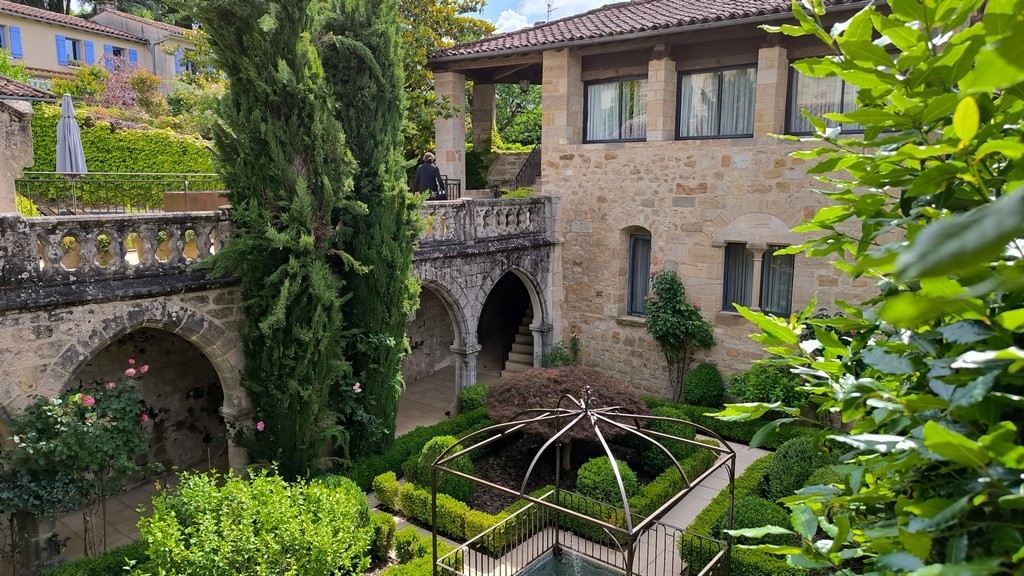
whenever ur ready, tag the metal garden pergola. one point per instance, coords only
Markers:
(560, 520)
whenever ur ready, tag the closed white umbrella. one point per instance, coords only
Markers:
(70, 155)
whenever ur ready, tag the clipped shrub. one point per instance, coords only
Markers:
(753, 512)
(419, 469)
(410, 544)
(826, 476)
(211, 526)
(472, 397)
(667, 484)
(110, 562)
(767, 383)
(794, 462)
(742, 431)
(383, 525)
(414, 555)
(386, 487)
(703, 386)
(652, 458)
(451, 514)
(596, 480)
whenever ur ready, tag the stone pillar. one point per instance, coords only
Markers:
(15, 148)
(450, 133)
(755, 289)
(465, 369)
(661, 97)
(542, 342)
(770, 101)
(238, 458)
(483, 116)
(562, 99)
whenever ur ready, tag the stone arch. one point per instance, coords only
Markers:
(541, 326)
(221, 347)
(451, 302)
(756, 228)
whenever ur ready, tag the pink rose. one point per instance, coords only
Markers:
(260, 425)
(130, 372)
(88, 401)
(110, 385)
(144, 418)
(357, 388)
(131, 361)
(144, 369)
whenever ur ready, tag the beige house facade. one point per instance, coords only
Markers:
(657, 144)
(52, 45)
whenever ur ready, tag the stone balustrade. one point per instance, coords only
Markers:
(469, 220)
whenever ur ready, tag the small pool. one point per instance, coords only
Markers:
(568, 564)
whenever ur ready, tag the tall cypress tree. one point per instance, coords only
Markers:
(363, 63)
(284, 158)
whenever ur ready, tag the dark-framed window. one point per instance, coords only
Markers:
(818, 96)
(639, 275)
(615, 111)
(3, 38)
(717, 103)
(776, 288)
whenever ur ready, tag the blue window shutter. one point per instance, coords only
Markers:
(108, 57)
(90, 54)
(62, 50)
(16, 43)
(133, 57)
(177, 60)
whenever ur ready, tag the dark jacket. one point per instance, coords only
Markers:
(428, 177)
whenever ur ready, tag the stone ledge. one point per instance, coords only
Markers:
(636, 321)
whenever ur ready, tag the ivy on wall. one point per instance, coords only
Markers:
(110, 149)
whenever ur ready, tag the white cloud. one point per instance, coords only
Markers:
(509, 21)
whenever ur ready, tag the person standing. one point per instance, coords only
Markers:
(428, 177)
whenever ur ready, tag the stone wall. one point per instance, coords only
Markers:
(431, 335)
(15, 148)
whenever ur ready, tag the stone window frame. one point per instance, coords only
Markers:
(617, 81)
(635, 235)
(793, 114)
(753, 286)
(679, 100)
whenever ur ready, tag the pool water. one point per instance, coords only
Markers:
(568, 564)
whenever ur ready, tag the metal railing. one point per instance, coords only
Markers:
(530, 171)
(452, 187)
(537, 534)
(55, 194)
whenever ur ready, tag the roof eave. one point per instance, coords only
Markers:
(762, 19)
(113, 33)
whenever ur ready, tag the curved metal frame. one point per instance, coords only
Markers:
(584, 410)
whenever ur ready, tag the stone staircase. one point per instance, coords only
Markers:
(520, 358)
(505, 167)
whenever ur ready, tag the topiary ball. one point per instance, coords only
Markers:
(793, 464)
(418, 471)
(596, 481)
(703, 386)
(755, 512)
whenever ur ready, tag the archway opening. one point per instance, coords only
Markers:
(181, 392)
(506, 341)
(428, 370)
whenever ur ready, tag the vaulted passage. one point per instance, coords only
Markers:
(506, 342)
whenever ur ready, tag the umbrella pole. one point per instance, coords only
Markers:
(74, 197)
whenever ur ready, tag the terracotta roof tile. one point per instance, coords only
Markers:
(16, 90)
(176, 30)
(621, 19)
(62, 19)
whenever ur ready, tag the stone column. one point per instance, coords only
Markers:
(238, 458)
(661, 97)
(561, 100)
(450, 132)
(483, 116)
(15, 148)
(465, 369)
(770, 101)
(755, 289)
(542, 342)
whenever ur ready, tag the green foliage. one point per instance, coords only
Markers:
(383, 526)
(419, 469)
(794, 463)
(477, 165)
(414, 553)
(472, 397)
(362, 65)
(214, 526)
(669, 483)
(409, 544)
(754, 512)
(652, 458)
(386, 487)
(518, 115)
(522, 192)
(11, 70)
(287, 165)
(703, 385)
(25, 206)
(561, 354)
(108, 563)
(767, 383)
(88, 85)
(743, 431)
(596, 480)
(927, 205)
(676, 326)
(826, 476)
(363, 470)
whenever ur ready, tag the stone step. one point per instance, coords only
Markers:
(523, 348)
(515, 368)
(525, 338)
(521, 357)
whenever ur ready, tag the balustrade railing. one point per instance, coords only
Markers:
(59, 249)
(471, 220)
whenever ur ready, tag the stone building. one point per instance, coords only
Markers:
(52, 45)
(657, 142)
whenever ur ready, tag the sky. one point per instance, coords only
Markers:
(509, 15)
